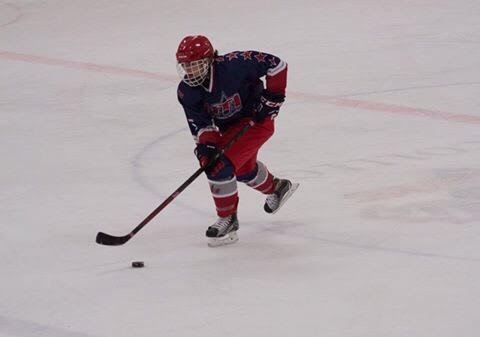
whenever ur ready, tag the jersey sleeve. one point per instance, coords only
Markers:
(199, 121)
(261, 64)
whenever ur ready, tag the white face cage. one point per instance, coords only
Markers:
(194, 73)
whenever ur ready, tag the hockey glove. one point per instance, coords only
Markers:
(208, 155)
(268, 105)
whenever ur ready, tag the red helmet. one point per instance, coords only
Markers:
(194, 57)
(193, 48)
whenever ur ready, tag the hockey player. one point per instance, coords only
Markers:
(220, 95)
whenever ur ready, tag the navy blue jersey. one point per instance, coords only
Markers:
(233, 86)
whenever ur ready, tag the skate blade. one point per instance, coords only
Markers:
(287, 196)
(227, 239)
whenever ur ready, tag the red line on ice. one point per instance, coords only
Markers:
(337, 101)
(84, 66)
(391, 108)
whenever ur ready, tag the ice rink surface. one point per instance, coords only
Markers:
(381, 128)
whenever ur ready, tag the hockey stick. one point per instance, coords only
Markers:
(111, 240)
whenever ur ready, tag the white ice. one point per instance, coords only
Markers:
(381, 128)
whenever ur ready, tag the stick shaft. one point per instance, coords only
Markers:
(107, 239)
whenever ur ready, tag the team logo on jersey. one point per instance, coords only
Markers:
(227, 107)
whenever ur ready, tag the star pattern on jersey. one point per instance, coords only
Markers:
(272, 61)
(220, 59)
(231, 56)
(247, 55)
(261, 57)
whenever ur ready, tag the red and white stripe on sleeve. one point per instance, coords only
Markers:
(277, 78)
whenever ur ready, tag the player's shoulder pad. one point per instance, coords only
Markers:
(250, 56)
(237, 56)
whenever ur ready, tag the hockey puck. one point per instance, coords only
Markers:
(138, 264)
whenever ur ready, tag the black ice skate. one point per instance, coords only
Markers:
(223, 231)
(284, 188)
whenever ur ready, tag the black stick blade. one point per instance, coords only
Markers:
(110, 240)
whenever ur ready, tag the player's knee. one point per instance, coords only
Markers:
(248, 176)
